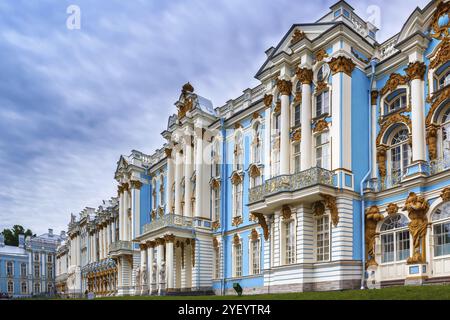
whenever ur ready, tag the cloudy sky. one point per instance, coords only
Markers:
(72, 101)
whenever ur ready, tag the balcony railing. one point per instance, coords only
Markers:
(290, 183)
(169, 220)
(120, 246)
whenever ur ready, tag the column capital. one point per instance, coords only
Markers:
(169, 238)
(135, 184)
(150, 244)
(142, 246)
(168, 152)
(159, 241)
(304, 75)
(284, 86)
(416, 70)
(374, 97)
(342, 64)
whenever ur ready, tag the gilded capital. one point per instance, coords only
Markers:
(142, 246)
(135, 184)
(169, 238)
(159, 241)
(168, 152)
(284, 86)
(342, 64)
(151, 244)
(305, 75)
(416, 70)
(268, 98)
(374, 97)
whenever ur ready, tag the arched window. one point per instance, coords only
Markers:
(256, 143)
(238, 151)
(395, 242)
(443, 76)
(399, 154)
(441, 230)
(395, 101)
(9, 269)
(323, 150)
(10, 287)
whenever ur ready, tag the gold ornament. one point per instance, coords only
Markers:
(236, 221)
(442, 54)
(297, 36)
(373, 215)
(330, 202)
(393, 82)
(320, 126)
(440, 31)
(263, 223)
(417, 208)
(304, 75)
(416, 70)
(342, 64)
(284, 86)
(432, 133)
(392, 209)
(445, 194)
(374, 97)
(286, 212)
(268, 98)
(321, 54)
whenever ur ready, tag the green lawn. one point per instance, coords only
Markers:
(430, 292)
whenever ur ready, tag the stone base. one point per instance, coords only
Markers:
(417, 274)
(372, 278)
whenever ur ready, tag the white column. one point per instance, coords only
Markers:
(150, 257)
(169, 260)
(78, 250)
(284, 87)
(187, 176)
(416, 72)
(121, 215)
(306, 76)
(159, 257)
(178, 164)
(125, 214)
(113, 231)
(136, 208)
(199, 174)
(170, 179)
(144, 266)
(267, 135)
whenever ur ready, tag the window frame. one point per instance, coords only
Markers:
(322, 145)
(323, 220)
(394, 233)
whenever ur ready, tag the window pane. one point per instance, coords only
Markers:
(387, 247)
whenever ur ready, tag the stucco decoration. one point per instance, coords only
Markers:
(417, 208)
(342, 64)
(268, 98)
(263, 223)
(440, 23)
(445, 194)
(286, 212)
(373, 216)
(416, 70)
(304, 75)
(284, 86)
(330, 203)
(392, 209)
(393, 82)
(297, 36)
(431, 138)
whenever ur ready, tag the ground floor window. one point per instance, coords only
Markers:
(37, 288)
(256, 254)
(441, 230)
(237, 258)
(24, 288)
(323, 238)
(395, 239)
(10, 287)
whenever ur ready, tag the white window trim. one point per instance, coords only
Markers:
(235, 260)
(250, 254)
(383, 98)
(282, 237)
(330, 234)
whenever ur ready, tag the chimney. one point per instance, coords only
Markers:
(2, 240)
(50, 232)
(21, 240)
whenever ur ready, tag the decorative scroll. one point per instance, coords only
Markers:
(254, 171)
(236, 240)
(268, 98)
(330, 203)
(373, 215)
(440, 28)
(431, 138)
(393, 82)
(320, 126)
(442, 54)
(437, 100)
(297, 36)
(417, 208)
(263, 223)
(237, 221)
(254, 235)
(320, 55)
(393, 119)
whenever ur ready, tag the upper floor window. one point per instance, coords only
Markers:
(36, 257)
(173, 198)
(296, 157)
(37, 288)
(395, 101)
(216, 202)
(399, 154)
(37, 271)
(395, 241)
(154, 198)
(277, 123)
(49, 258)
(256, 144)
(297, 116)
(322, 103)
(238, 151)
(323, 150)
(441, 230)
(289, 241)
(9, 269)
(445, 127)
(442, 76)
(162, 194)
(23, 269)
(237, 198)
(216, 159)
(10, 287)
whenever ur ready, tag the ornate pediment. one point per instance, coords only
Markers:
(297, 36)
(393, 82)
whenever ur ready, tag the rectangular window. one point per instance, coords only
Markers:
(402, 245)
(49, 258)
(37, 271)
(36, 257)
(322, 151)
(387, 249)
(278, 123)
(238, 200)
(9, 269)
(10, 287)
(322, 103)
(323, 238)
(216, 195)
(256, 256)
(297, 158)
(238, 260)
(442, 239)
(24, 288)
(289, 242)
(23, 269)
(49, 271)
(297, 116)
(337, 13)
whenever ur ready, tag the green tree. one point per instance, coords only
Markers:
(12, 235)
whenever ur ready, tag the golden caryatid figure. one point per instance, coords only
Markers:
(373, 215)
(417, 208)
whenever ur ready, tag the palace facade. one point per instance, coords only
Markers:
(331, 174)
(29, 269)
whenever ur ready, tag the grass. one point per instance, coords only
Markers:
(429, 292)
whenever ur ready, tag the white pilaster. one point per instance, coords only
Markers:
(306, 141)
(284, 135)
(169, 261)
(187, 176)
(199, 173)
(178, 164)
(170, 179)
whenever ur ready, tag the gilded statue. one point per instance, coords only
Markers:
(417, 208)
(432, 141)
(373, 215)
(381, 159)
